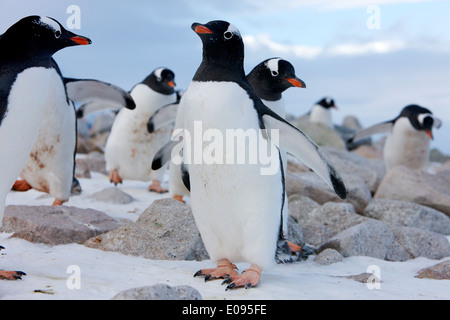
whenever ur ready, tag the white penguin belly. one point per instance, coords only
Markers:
(50, 165)
(130, 148)
(406, 146)
(19, 130)
(237, 209)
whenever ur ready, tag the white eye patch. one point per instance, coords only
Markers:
(233, 29)
(49, 23)
(158, 73)
(272, 64)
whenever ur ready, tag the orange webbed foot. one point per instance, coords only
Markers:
(156, 187)
(21, 186)
(11, 275)
(179, 198)
(224, 270)
(248, 279)
(115, 178)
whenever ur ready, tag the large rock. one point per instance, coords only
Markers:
(56, 225)
(371, 171)
(164, 231)
(408, 214)
(440, 271)
(321, 224)
(370, 238)
(112, 195)
(410, 243)
(310, 185)
(320, 134)
(159, 292)
(402, 183)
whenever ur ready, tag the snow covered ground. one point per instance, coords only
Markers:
(55, 272)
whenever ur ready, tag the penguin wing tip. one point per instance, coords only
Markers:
(339, 186)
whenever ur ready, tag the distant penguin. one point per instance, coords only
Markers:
(409, 137)
(321, 112)
(237, 208)
(31, 89)
(130, 147)
(51, 165)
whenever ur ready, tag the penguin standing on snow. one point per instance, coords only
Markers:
(31, 89)
(237, 208)
(408, 141)
(51, 165)
(130, 146)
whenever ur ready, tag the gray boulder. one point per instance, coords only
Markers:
(328, 256)
(440, 271)
(408, 214)
(56, 225)
(402, 183)
(410, 243)
(321, 224)
(112, 195)
(164, 231)
(159, 292)
(370, 238)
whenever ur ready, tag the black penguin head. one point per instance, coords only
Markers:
(327, 103)
(272, 77)
(420, 118)
(37, 35)
(223, 47)
(161, 80)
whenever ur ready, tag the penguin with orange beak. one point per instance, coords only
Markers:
(410, 134)
(130, 145)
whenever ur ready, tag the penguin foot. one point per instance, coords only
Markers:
(249, 278)
(156, 187)
(179, 198)
(11, 275)
(224, 270)
(21, 186)
(294, 247)
(115, 178)
(58, 203)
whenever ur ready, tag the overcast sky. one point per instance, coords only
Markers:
(373, 56)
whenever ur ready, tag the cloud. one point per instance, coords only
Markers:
(264, 42)
(339, 5)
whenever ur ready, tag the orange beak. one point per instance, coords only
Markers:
(172, 84)
(81, 40)
(296, 82)
(202, 30)
(430, 134)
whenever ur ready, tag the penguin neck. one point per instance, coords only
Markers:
(220, 70)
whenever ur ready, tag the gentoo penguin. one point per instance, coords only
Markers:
(237, 207)
(408, 141)
(130, 147)
(51, 165)
(321, 112)
(31, 89)
(270, 79)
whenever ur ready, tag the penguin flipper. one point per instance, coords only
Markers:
(164, 116)
(164, 155)
(106, 95)
(370, 131)
(294, 141)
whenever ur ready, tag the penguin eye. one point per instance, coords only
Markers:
(275, 73)
(228, 35)
(57, 34)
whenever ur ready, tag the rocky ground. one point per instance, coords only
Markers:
(395, 216)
